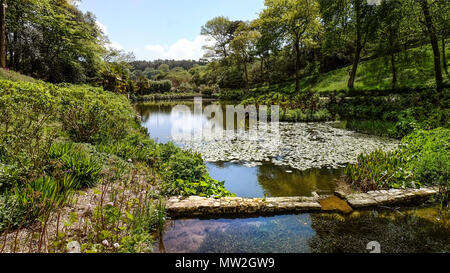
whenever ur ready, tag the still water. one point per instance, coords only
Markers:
(418, 230)
(246, 179)
(422, 229)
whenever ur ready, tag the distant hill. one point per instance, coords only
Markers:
(186, 64)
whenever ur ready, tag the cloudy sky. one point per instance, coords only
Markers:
(164, 29)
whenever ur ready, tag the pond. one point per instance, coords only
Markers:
(418, 230)
(305, 158)
(296, 160)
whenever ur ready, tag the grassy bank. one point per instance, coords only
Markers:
(423, 159)
(76, 165)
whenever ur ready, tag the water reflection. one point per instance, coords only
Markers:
(405, 231)
(275, 181)
(264, 179)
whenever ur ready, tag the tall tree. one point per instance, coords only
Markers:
(430, 29)
(299, 21)
(221, 31)
(389, 33)
(244, 46)
(364, 24)
(442, 11)
(3, 6)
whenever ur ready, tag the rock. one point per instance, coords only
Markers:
(335, 204)
(73, 247)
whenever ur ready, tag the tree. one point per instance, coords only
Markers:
(391, 16)
(53, 40)
(430, 29)
(244, 46)
(299, 22)
(442, 11)
(3, 6)
(221, 30)
(364, 24)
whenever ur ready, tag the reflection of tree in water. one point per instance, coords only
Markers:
(277, 182)
(395, 232)
(145, 110)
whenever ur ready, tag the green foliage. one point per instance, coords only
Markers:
(374, 127)
(24, 203)
(80, 165)
(185, 174)
(14, 76)
(422, 159)
(27, 111)
(53, 40)
(304, 107)
(12, 213)
(93, 115)
(160, 86)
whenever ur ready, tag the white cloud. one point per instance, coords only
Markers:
(102, 27)
(183, 49)
(111, 44)
(115, 45)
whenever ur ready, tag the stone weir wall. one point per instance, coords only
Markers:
(195, 206)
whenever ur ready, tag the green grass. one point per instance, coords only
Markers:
(10, 75)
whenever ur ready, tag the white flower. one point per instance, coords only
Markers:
(105, 243)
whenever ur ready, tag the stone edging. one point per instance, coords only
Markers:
(196, 206)
(387, 197)
(201, 206)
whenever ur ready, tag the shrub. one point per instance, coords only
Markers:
(185, 174)
(185, 88)
(12, 213)
(93, 115)
(160, 86)
(209, 90)
(10, 175)
(135, 147)
(27, 110)
(422, 159)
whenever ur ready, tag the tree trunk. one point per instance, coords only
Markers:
(261, 69)
(246, 75)
(394, 71)
(434, 42)
(297, 65)
(358, 49)
(444, 58)
(3, 7)
(351, 81)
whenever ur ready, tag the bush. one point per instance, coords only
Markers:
(422, 159)
(186, 88)
(92, 115)
(160, 86)
(12, 213)
(26, 112)
(209, 90)
(186, 174)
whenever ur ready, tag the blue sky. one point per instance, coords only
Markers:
(155, 29)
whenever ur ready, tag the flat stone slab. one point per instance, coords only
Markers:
(388, 197)
(195, 206)
(202, 206)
